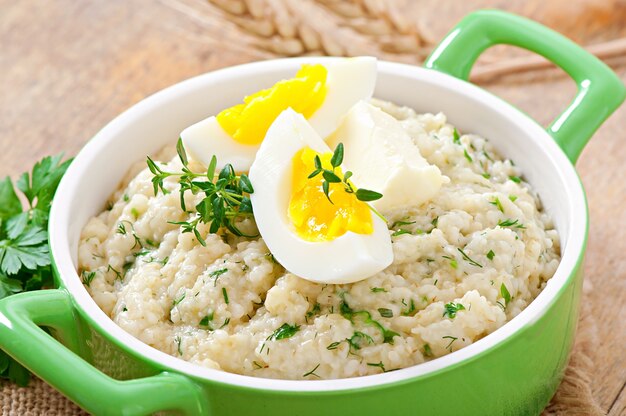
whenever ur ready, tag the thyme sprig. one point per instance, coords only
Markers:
(226, 195)
(332, 176)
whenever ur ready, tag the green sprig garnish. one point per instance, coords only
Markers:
(226, 195)
(331, 176)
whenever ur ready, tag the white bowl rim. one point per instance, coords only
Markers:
(572, 254)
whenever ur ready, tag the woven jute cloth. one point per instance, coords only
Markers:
(134, 60)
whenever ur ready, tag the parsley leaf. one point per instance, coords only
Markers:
(24, 252)
(11, 204)
(39, 186)
(9, 286)
(28, 250)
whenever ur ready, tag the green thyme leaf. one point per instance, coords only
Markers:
(210, 172)
(330, 177)
(314, 173)
(366, 195)
(246, 185)
(337, 158)
(491, 255)
(180, 149)
(326, 189)
(318, 162)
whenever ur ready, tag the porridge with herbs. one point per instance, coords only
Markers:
(344, 281)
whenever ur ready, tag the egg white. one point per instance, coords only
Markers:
(346, 259)
(348, 81)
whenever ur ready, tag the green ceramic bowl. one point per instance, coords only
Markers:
(513, 371)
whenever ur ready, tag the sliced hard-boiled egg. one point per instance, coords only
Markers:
(383, 157)
(322, 93)
(322, 241)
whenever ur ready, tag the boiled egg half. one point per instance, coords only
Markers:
(332, 238)
(322, 93)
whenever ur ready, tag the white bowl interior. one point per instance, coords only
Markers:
(157, 121)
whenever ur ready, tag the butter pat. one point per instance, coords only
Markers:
(383, 158)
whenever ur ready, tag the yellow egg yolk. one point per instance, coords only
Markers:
(247, 123)
(314, 217)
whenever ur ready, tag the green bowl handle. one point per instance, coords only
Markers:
(600, 91)
(23, 339)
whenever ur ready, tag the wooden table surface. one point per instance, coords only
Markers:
(67, 67)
